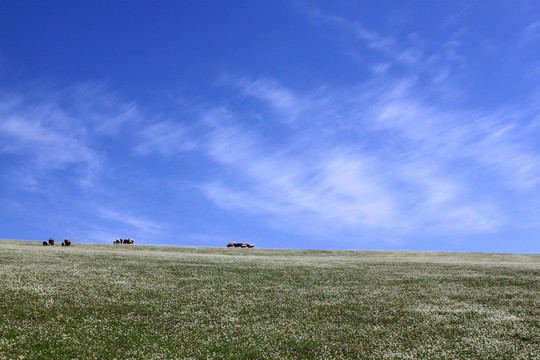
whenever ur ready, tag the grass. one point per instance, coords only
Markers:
(97, 301)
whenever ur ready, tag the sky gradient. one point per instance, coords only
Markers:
(288, 124)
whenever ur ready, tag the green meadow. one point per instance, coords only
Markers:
(104, 301)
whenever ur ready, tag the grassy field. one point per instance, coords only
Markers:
(97, 301)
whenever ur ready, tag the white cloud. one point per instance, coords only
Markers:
(398, 160)
(283, 102)
(165, 138)
(349, 191)
(531, 33)
(381, 68)
(388, 52)
(372, 38)
(105, 112)
(49, 146)
(384, 157)
(494, 141)
(131, 223)
(48, 140)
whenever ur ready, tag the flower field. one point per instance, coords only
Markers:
(101, 301)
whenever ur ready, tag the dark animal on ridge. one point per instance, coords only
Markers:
(45, 243)
(240, 244)
(123, 241)
(66, 242)
(51, 241)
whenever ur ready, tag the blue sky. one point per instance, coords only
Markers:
(289, 124)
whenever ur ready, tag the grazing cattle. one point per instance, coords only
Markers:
(66, 242)
(45, 243)
(240, 244)
(51, 241)
(123, 241)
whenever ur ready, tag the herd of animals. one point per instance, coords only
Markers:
(240, 245)
(123, 241)
(66, 242)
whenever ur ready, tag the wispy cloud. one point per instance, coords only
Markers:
(495, 141)
(47, 139)
(531, 33)
(103, 111)
(411, 52)
(108, 222)
(399, 160)
(373, 39)
(352, 191)
(165, 138)
(389, 156)
(53, 148)
(141, 225)
(383, 158)
(284, 103)
(389, 130)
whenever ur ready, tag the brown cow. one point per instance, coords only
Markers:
(231, 244)
(51, 241)
(66, 242)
